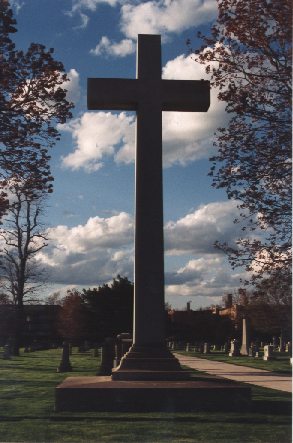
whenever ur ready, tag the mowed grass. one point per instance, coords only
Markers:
(27, 411)
(280, 364)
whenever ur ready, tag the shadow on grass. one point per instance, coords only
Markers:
(197, 417)
(271, 407)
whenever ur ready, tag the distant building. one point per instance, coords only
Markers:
(197, 326)
(40, 323)
(266, 320)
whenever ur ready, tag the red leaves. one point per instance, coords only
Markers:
(249, 58)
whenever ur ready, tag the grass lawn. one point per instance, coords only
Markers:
(281, 364)
(27, 411)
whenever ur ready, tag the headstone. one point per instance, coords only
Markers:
(107, 357)
(251, 351)
(289, 348)
(275, 343)
(268, 352)
(227, 347)
(86, 345)
(6, 352)
(148, 95)
(282, 344)
(65, 365)
(206, 348)
(187, 349)
(201, 348)
(245, 336)
(122, 345)
(96, 352)
(81, 348)
(234, 349)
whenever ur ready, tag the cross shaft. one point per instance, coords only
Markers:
(148, 95)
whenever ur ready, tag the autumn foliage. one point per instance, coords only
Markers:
(32, 102)
(248, 55)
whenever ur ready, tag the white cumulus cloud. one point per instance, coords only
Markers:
(197, 232)
(72, 86)
(114, 49)
(78, 6)
(165, 16)
(90, 253)
(96, 251)
(206, 276)
(187, 136)
(95, 136)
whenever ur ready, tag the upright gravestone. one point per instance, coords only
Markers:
(282, 344)
(275, 343)
(107, 356)
(234, 349)
(227, 347)
(268, 352)
(201, 348)
(206, 348)
(245, 336)
(148, 95)
(65, 365)
(252, 351)
(6, 352)
(122, 345)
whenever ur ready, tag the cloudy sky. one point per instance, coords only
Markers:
(91, 213)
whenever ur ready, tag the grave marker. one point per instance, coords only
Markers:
(245, 336)
(148, 95)
(130, 388)
(234, 350)
(268, 352)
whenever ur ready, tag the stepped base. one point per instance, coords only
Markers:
(105, 394)
(149, 363)
(129, 374)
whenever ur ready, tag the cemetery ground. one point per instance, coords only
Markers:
(27, 412)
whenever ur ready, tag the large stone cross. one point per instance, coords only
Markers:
(148, 95)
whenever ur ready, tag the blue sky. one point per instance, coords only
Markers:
(90, 213)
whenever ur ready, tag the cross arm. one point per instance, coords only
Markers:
(185, 95)
(112, 94)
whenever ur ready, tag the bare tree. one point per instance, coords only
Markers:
(32, 103)
(22, 236)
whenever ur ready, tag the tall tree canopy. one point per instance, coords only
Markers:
(32, 102)
(248, 55)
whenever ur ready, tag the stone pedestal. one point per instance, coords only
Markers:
(149, 363)
(105, 394)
